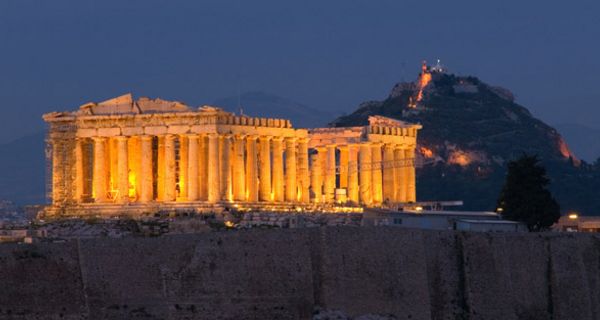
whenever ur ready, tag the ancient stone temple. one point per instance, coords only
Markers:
(126, 157)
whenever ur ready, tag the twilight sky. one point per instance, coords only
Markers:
(334, 54)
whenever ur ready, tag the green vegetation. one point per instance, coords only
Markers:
(525, 196)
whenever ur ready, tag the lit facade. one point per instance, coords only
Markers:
(126, 157)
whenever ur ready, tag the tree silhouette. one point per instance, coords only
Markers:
(525, 196)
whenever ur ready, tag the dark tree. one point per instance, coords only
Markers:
(525, 196)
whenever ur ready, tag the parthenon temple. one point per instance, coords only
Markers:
(126, 156)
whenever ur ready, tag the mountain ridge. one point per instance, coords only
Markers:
(470, 131)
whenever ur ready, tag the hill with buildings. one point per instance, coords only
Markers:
(470, 130)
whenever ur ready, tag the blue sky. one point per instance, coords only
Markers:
(56, 55)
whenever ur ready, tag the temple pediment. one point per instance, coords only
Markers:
(126, 105)
(387, 122)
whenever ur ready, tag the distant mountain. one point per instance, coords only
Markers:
(23, 170)
(584, 141)
(263, 104)
(470, 131)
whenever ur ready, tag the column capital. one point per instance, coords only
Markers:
(99, 139)
(145, 137)
(265, 138)
(389, 146)
(251, 137)
(290, 139)
(376, 144)
(192, 136)
(301, 139)
(343, 147)
(277, 138)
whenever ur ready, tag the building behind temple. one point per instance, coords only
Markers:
(137, 157)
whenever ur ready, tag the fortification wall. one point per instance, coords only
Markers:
(286, 274)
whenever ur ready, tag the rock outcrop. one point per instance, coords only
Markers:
(378, 273)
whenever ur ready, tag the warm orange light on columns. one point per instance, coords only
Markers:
(316, 183)
(122, 170)
(192, 171)
(265, 168)
(99, 176)
(389, 172)
(376, 171)
(411, 192)
(203, 167)
(303, 179)
(278, 180)
(79, 170)
(251, 169)
(214, 194)
(365, 174)
(291, 186)
(330, 174)
(239, 173)
(146, 193)
(353, 173)
(170, 187)
(400, 174)
(225, 166)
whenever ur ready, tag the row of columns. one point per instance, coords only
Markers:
(370, 173)
(193, 167)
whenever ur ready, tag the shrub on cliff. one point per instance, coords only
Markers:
(525, 196)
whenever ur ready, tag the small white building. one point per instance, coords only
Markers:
(442, 220)
(490, 226)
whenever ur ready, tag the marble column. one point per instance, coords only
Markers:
(192, 171)
(225, 166)
(99, 176)
(160, 169)
(365, 174)
(251, 169)
(113, 168)
(399, 160)
(135, 161)
(79, 170)
(344, 158)
(377, 181)
(170, 184)
(239, 174)
(303, 178)
(183, 167)
(389, 173)
(316, 182)
(122, 170)
(291, 175)
(411, 190)
(265, 169)
(146, 193)
(214, 192)
(353, 174)
(278, 179)
(203, 167)
(330, 182)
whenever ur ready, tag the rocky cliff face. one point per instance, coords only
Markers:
(388, 272)
(470, 131)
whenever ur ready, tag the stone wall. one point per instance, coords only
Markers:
(287, 274)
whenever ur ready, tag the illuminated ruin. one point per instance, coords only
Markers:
(126, 157)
